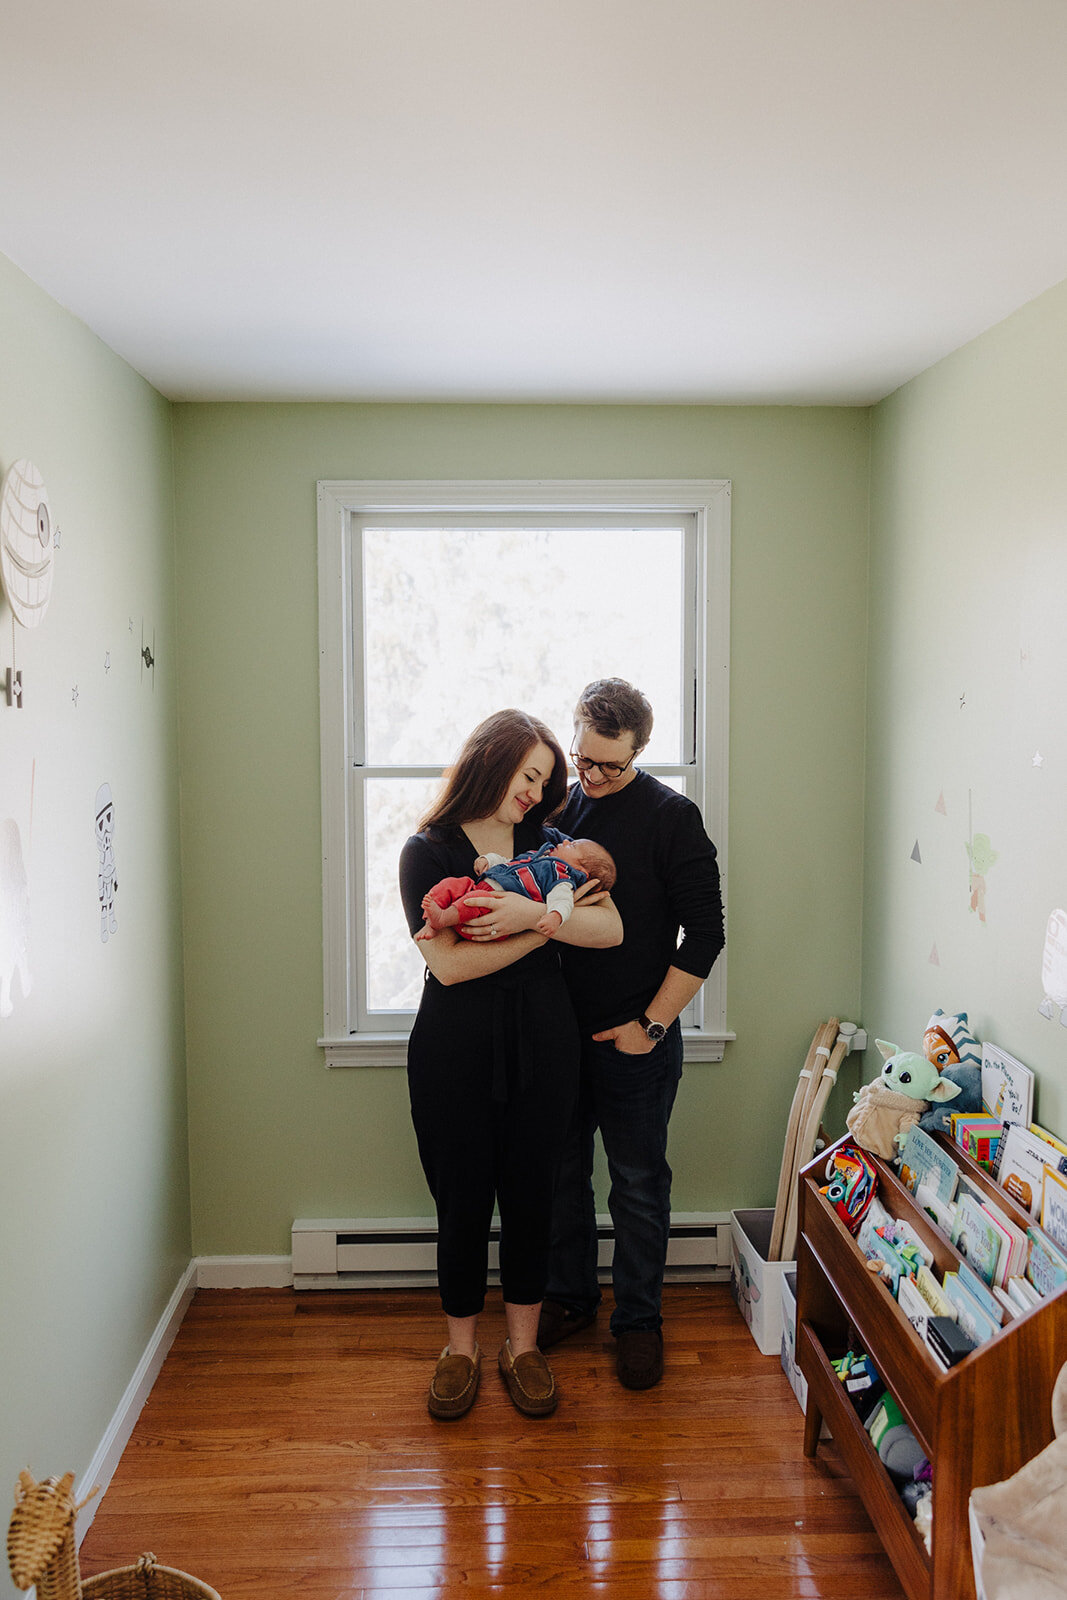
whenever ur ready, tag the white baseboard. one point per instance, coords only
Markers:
(244, 1272)
(116, 1437)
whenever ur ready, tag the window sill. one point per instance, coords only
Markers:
(391, 1049)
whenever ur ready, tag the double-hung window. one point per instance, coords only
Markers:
(440, 603)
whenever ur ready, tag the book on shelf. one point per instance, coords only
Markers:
(977, 1132)
(924, 1164)
(941, 1212)
(1013, 1254)
(1023, 1293)
(974, 1319)
(1021, 1161)
(1007, 1086)
(931, 1291)
(986, 1296)
(915, 1308)
(1011, 1308)
(1046, 1266)
(1049, 1138)
(948, 1341)
(1054, 1207)
(977, 1238)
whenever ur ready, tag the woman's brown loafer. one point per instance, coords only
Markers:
(454, 1384)
(530, 1382)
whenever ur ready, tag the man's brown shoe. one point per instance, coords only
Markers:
(454, 1384)
(556, 1323)
(639, 1357)
(530, 1382)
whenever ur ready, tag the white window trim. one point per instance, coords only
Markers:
(706, 499)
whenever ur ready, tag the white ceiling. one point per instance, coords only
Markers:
(801, 201)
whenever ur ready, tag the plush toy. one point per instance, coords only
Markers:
(949, 1043)
(888, 1107)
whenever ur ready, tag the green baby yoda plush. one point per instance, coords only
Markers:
(888, 1107)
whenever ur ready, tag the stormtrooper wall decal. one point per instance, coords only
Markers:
(107, 875)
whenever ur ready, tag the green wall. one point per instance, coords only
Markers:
(94, 1208)
(968, 692)
(941, 513)
(273, 1134)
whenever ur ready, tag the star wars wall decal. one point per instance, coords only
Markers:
(107, 876)
(27, 542)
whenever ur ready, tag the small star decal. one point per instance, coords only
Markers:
(1039, 760)
(56, 538)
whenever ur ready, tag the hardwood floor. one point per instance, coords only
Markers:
(286, 1450)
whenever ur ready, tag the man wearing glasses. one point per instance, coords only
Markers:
(628, 1001)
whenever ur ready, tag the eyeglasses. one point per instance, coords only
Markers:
(607, 769)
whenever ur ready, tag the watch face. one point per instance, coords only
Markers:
(655, 1031)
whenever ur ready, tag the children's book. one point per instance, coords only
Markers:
(1023, 1292)
(1011, 1308)
(975, 1321)
(1007, 1086)
(923, 1164)
(985, 1296)
(938, 1301)
(942, 1212)
(1049, 1138)
(978, 1132)
(914, 1307)
(1021, 1161)
(1046, 1266)
(1013, 1255)
(977, 1238)
(1054, 1207)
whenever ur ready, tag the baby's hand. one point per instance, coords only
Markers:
(549, 924)
(481, 864)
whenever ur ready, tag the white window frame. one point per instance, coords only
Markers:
(340, 504)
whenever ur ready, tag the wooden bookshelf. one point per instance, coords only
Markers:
(978, 1423)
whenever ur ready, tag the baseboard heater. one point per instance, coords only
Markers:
(400, 1252)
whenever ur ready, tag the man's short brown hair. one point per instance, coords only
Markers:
(612, 707)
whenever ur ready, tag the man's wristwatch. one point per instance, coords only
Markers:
(654, 1031)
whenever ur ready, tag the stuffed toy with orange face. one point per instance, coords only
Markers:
(951, 1046)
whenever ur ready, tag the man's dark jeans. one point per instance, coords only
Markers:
(630, 1099)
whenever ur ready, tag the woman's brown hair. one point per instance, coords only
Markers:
(477, 781)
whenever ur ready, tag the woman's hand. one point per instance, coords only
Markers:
(505, 913)
(590, 892)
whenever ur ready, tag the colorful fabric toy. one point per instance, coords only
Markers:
(851, 1185)
(888, 1107)
(949, 1043)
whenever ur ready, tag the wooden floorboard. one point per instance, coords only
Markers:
(286, 1450)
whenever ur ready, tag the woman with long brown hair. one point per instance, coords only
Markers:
(493, 1056)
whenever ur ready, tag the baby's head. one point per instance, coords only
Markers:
(591, 857)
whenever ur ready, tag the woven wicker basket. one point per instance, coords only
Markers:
(147, 1580)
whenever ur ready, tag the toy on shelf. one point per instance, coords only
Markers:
(851, 1183)
(949, 1043)
(888, 1107)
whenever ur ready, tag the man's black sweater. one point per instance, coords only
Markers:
(668, 879)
